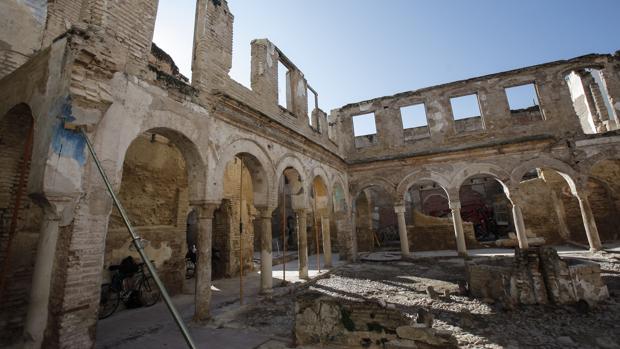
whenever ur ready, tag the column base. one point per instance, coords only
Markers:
(267, 292)
(463, 254)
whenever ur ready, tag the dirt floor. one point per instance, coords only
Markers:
(268, 323)
(474, 323)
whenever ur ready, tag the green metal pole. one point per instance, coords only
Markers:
(136, 242)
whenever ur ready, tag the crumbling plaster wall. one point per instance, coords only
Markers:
(154, 191)
(21, 32)
(560, 119)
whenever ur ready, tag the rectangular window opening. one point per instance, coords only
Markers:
(413, 116)
(283, 86)
(311, 105)
(364, 125)
(522, 98)
(173, 41)
(465, 107)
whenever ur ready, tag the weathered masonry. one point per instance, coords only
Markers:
(192, 160)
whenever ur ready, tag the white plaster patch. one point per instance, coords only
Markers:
(64, 174)
(137, 100)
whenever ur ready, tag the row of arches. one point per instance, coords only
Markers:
(171, 180)
(542, 200)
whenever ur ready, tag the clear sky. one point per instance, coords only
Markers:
(353, 50)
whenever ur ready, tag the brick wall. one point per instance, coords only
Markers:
(154, 191)
(226, 235)
(14, 128)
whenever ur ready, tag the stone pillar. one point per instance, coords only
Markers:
(518, 220)
(402, 230)
(327, 241)
(353, 236)
(203, 259)
(588, 221)
(302, 242)
(266, 255)
(459, 234)
(36, 318)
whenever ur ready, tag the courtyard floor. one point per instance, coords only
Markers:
(268, 322)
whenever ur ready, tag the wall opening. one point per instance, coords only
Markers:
(466, 113)
(415, 123)
(591, 101)
(174, 35)
(523, 102)
(375, 220)
(364, 130)
(283, 86)
(486, 207)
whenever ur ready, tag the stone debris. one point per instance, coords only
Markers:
(536, 276)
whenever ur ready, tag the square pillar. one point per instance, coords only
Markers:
(203, 260)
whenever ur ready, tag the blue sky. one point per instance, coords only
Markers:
(353, 50)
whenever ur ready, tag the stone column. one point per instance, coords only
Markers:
(327, 241)
(203, 259)
(353, 236)
(36, 318)
(402, 230)
(302, 242)
(459, 234)
(266, 255)
(588, 221)
(518, 220)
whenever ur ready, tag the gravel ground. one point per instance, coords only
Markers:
(474, 323)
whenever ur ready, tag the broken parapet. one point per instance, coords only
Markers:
(536, 276)
(356, 323)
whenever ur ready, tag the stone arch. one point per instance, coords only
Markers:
(319, 171)
(586, 165)
(498, 173)
(566, 171)
(387, 186)
(259, 164)
(289, 161)
(421, 175)
(184, 134)
(338, 182)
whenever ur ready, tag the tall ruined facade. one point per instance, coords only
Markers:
(207, 155)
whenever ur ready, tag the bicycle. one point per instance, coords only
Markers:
(122, 288)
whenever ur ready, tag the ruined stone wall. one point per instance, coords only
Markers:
(539, 213)
(154, 194)
(445, 133)
(434, 233)
(21, 32)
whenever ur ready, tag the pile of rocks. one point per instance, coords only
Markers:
(324, 319)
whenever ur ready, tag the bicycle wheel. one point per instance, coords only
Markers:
(149, 293)
(108, 302)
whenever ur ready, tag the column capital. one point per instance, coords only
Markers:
(399, 208)
(454, 204)
(265, 211)
(300, 211)
(205, 208)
